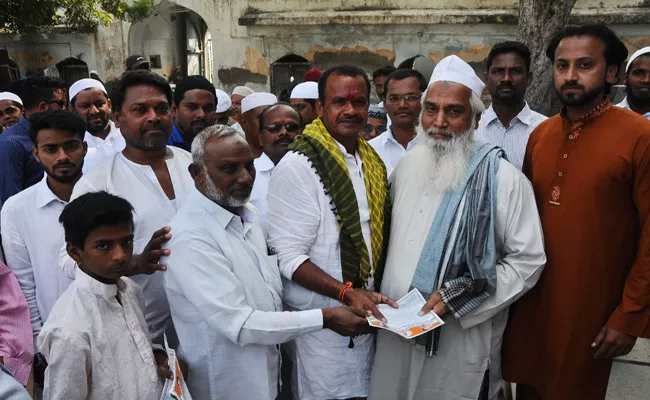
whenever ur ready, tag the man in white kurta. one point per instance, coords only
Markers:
(225, 292)
(89, 99)
(470, 346)
(138, 183)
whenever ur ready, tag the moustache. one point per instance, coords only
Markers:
(64, 165)
(357, 120)
(571, 86)
(241, 187)
(283, 140)
(199, 123)
(506, 85)
(443, 132)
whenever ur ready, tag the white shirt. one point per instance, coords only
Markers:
(513, 139)
(389, 149)
(469, 345)
(153, 210)
(237, 126)
(101, 149)
(303, 226)
(626, 105)
(97, 348)
(263, 170)
(32, 237)
(225, 296)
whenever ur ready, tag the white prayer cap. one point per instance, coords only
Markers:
(242, 91)
(305, 90)
(10, 96)
(453, 69)
(637, 54)
(83, 84)
(258, 99)
(223, 101)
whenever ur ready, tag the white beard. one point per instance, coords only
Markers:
(444, 161)
(217, 196)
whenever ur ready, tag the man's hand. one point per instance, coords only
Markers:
(163, 367)
(367, 300)
(147, 261)
(436, 304)
(611, 343)
(346, 321)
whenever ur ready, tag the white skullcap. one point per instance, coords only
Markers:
(83, 84)
(10, 96)
(305, 90)
(637, 54)
(258, 99)
(223, 101)
(242, 91)
(453, 69)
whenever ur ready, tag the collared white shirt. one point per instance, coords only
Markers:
(263, 170)
(513, 139)
(101, 149)
(237, 126)
(626, 105)
(97, 347)
(389, 149)
(225, 296)
(32, 237)
(303, 226)
(153, 210)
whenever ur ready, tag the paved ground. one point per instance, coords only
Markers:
(630, 379)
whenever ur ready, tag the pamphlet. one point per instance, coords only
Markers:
(174, 389)
(405, 320)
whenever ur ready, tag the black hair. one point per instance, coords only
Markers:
(345, 70)
(190, 83)
(510, 47)
(615, 50)
(56, 119)
(91, 211)
(135, 78)
(36, 89)
(281, 103)
(402, 74)
(383, 71)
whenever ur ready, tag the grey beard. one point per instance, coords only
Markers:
(217, 196)
(447, 159)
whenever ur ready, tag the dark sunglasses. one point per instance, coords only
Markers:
(369, 127)
(289, 126)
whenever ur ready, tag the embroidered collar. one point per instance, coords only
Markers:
(575, 128)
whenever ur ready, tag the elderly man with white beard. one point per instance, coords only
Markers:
(465, 232)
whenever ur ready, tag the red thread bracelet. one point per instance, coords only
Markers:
(346, 286)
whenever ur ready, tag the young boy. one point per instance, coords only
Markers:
(95, 339)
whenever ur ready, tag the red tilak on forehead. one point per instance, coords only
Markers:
(284, 121)
(351, 91)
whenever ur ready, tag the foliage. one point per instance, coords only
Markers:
(25, 16)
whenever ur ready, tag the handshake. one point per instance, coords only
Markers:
(350, 320)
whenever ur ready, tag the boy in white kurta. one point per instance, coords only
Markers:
(96, 339)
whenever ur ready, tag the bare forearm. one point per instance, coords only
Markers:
(311, 277)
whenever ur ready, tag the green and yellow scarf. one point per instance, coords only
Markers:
(326, 158)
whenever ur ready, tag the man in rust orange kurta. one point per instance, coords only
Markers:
(590, 169)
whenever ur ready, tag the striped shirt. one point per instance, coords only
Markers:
(626, 105)
(16, 343)
(20, 169)
(513, 139)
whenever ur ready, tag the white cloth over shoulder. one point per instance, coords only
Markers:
(626, 105)
(97, 347)
(472, 344)
(153, 210)
(99, 149)
(303, 226)
(225, 296)
(32, 238)
(263, 170)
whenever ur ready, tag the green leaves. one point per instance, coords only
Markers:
(25, 16)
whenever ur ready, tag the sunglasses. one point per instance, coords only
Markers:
(291, 127)
(369, 128)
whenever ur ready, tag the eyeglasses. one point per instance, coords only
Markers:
(379, 129)
(291, 127)
(409, 98)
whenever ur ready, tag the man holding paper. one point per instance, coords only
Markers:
(467, 235)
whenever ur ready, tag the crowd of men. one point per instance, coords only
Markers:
(257, 235)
